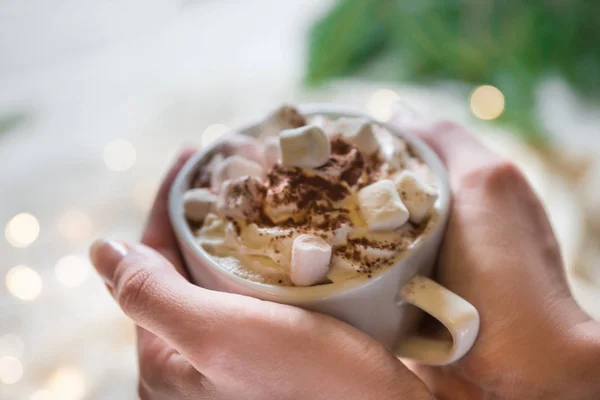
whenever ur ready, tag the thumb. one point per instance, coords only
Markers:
(155, 296)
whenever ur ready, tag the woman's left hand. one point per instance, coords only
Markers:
(195, 343)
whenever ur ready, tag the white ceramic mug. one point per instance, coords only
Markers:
(388, 305)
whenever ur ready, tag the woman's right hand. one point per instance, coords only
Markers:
(501, 255)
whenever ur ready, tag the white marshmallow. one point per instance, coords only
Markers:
(381, 206)
(235, 167)
(311, 256)
(197, 203)
(323, 122)
(241, 198)
(418, 197)
(272, 151)
(243, 145)
(305, 147)
(359, 132)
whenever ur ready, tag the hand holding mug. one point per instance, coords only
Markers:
(500, 254)
(195, 343)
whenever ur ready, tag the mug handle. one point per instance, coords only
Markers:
(455, 313)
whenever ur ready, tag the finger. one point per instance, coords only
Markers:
(444, 382)
(159, 299)
(164, 373)
(158, 233)
(460, 151)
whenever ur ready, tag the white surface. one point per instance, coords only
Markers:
(155, 74)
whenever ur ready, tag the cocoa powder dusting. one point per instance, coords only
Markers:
(290, 185)
(372, 168)
(317, 194)
(340, 146)
(354, 171)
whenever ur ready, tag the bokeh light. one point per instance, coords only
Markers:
(143, 194)
(67, 383)
(71, 270)
(212, 133)
(11, 370)
(75, 225)
(23, 282)
(22, 230)
(11, 345)
(119, 155)
(42, 395)
(486, 102)
(380, 104)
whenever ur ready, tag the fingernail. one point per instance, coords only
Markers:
(106, 255)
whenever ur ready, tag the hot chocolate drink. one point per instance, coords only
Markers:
(311, 200)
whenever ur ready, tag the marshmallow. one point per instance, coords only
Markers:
(305, 147)
(381, 206)
(241, 198)
(311, 256)
(197, 203)
(272, 151)
(323, 122)
(359, 132)
(243, 145)
(235, 167)
(418, 197)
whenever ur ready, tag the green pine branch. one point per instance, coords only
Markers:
(510, 44)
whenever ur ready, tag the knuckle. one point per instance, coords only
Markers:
(135, 290)
(151, 367)
(164, 372)
(498, 174)
(154, 375)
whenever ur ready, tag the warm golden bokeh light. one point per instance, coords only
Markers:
(212, 133)
(119, 155)
(22, 230)
(67, 383)
(75, 225)
(71, 270)
(23, 283)
(487, 102)
(380, 104)
(11, 370)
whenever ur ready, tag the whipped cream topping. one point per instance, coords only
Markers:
(256, 221)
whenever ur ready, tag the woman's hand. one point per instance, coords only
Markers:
(195, 343)
(500, 254)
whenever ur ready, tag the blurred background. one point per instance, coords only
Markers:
(96, 97)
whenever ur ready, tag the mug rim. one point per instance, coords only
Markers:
(186, 237)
